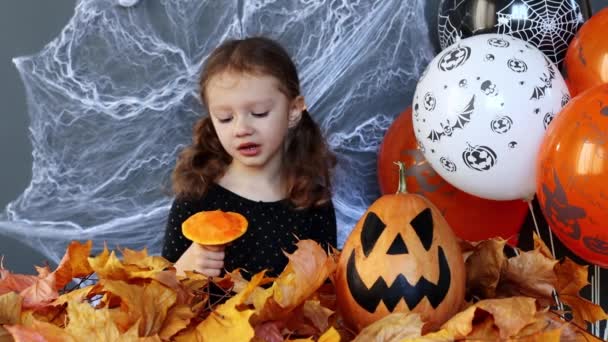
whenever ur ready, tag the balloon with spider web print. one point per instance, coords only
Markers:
(547, 24)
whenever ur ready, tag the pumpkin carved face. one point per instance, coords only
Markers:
(400, 257)
(412, 294)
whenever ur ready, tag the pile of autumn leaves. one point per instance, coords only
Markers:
(139, 298)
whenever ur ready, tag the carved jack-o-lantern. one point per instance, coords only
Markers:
(401, 256)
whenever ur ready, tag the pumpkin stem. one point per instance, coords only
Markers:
(402, 188)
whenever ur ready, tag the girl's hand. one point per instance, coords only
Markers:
(205, 259)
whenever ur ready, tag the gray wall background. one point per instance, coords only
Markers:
(25, 27)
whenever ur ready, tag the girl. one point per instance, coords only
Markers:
(258, 153)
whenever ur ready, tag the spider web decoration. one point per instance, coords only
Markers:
(448, 33)
(549, 25)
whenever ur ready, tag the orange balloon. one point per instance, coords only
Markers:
(586, 62)
(470, 217)
(572, 186)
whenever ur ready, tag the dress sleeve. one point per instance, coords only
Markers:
(325, 229)
(174, 242)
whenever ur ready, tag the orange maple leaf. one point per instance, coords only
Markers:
(571, 279)
(147, 304)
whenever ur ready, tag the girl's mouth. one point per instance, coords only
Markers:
(249, 149)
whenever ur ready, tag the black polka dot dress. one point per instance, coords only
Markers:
(274, 227)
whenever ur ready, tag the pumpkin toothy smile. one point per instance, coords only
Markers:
(369, 298)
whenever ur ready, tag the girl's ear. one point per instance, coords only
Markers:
(295, 110)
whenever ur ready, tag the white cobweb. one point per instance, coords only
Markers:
(549, 24)
(448, 33)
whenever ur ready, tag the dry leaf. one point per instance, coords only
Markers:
(571, 279)
(227, 322)
(438, 336)
(5, 336)
(394, 327)
(10, 308)
(484, 330)
(308, 268)
(511, 315)
(146, 266)
(40, 293)
(24, 334)
(74, 264)
(147, 304)
(178, 318)
(317, 314)
(78, 295)
(484, 267)
(108, 266)
(461, 324)
(331, 335)
(269, 332)
(309, 319)
(87, 323)
(10, 282)
(541, 247)
(529, 274)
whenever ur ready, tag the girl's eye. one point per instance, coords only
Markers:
(224, 120)
(260, 115)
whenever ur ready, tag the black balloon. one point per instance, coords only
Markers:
(546, 24)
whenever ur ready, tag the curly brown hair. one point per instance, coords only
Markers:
(307, 160)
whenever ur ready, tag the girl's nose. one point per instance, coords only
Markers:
(242, 126)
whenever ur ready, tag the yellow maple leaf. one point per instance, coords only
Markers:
(88, 324)
(227, 322)
(147, 304)
(178, 318)
(461, 324)
(331, 335)
(108, 266)
(10, 308)
(437, 336)
(147, 266)
(308, 267)
(78, 295)
(511, 315)
(393, 327)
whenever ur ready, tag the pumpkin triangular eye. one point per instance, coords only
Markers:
(398, 246)
(423, 225)
(371, 231)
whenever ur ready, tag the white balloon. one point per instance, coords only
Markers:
(481, 109)
(127, 3)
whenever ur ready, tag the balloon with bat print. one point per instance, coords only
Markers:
(492, 98)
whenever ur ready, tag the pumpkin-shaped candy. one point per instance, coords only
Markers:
(214, 227)
(401, 256)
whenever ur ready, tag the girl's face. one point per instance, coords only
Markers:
(251, 117)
